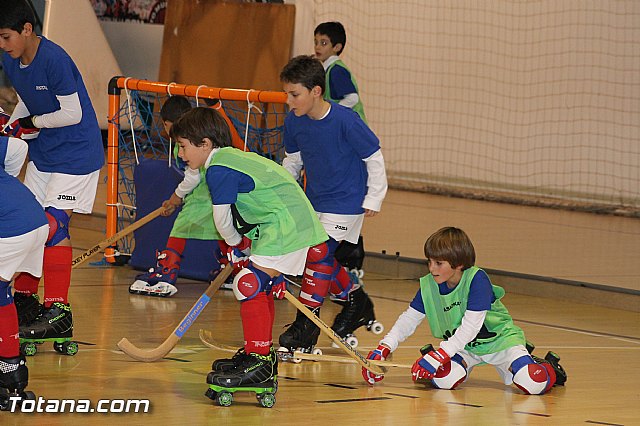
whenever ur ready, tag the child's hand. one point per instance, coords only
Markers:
(279, 287)
(22, 128)
(239, 255)
(380, 353)
(369, 213)
(426, 367)
(171, 204)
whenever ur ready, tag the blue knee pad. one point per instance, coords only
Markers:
(58, 226)
(521, 362)
(249, 282)
(6, 297)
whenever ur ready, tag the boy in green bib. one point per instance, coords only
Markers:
(270, 227)
(465, 310)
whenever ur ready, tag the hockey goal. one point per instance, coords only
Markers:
(136, 132)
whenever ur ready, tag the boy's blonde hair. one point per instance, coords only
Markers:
(452, 245)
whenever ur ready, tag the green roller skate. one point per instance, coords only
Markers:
(55, 324)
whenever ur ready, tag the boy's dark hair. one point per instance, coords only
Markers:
(15, 13)
(306, 70)
(335, 31)
(200, 123)
(452, 245)
(174, 107)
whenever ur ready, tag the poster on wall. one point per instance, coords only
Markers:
(147, 11)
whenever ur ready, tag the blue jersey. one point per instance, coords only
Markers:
(20, 212)
(480, 294)
(4, 144)
(332, 150)
(76, 149)
(340, 83)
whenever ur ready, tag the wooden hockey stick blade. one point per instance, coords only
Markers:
(115, 237)
(161, 351)
(206, 337)
(357, 356)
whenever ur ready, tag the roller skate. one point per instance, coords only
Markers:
(253, 373)
(28, 307)
(54, 324)
(357, 312)
(302, 335)
(226, 364)
(14, 377)
(160, 280)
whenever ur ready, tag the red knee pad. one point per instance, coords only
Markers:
(318, 253)
(450, 374)
(534, 379)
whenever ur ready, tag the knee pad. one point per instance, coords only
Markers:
(58, 226)
(451, 374)
(6, 297)
(323, 252)
(530, 377)
(249, 282)
(350, 255)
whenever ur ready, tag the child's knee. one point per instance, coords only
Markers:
(530, 377)
(451, 374)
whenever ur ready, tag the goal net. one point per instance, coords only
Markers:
(525, 101)
(136, 132)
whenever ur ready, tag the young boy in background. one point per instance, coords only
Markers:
(346, 182)
(465, 310)
(194, 221)
(65, 157)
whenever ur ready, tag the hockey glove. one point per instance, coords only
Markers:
(380, 353)
(279, 286)
(22, 128)
(426, 367)
(239, 255)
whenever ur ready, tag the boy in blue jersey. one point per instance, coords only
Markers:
(346, 182)
(65, 157)
(465, 310)
(269, 226)
(23, 231)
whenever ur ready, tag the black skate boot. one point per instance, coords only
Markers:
(254, 373)
(302, 335)
(54, 324)
(553, 359)
(28, 307)
(226, 364)
(357, 312)
(14, 377)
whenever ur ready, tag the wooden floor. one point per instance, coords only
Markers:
(599, 348)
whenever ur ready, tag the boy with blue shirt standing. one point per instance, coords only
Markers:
(23, 231)
(346, 182)
(65, 157)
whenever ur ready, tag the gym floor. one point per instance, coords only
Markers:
(598, 345)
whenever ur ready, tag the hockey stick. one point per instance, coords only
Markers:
(115, 237)
(207, 338)
(357, 356)
(161, 351)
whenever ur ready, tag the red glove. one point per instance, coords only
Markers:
(22, 128)
(278, 287)
(426, 367)
(380, 353)
(239, 255)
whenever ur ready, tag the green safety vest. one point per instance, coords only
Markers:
(445, 313)
(276, 214)
(359, 108)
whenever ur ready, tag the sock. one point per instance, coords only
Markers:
(272, 308)
(26, 284)
(257, 324)
(57, 274)
(176, 244)
(9, 342)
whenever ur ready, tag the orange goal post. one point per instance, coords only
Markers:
(135, 132)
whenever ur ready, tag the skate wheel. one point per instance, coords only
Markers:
(224, 399)
(377, 328)
(29, 395)
(296, 360)
(28, 348)
(267, 400)
(316, 351)
(70, 348)
(351, 341)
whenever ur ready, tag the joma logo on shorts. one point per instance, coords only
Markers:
(342, 228)
(67, 197)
